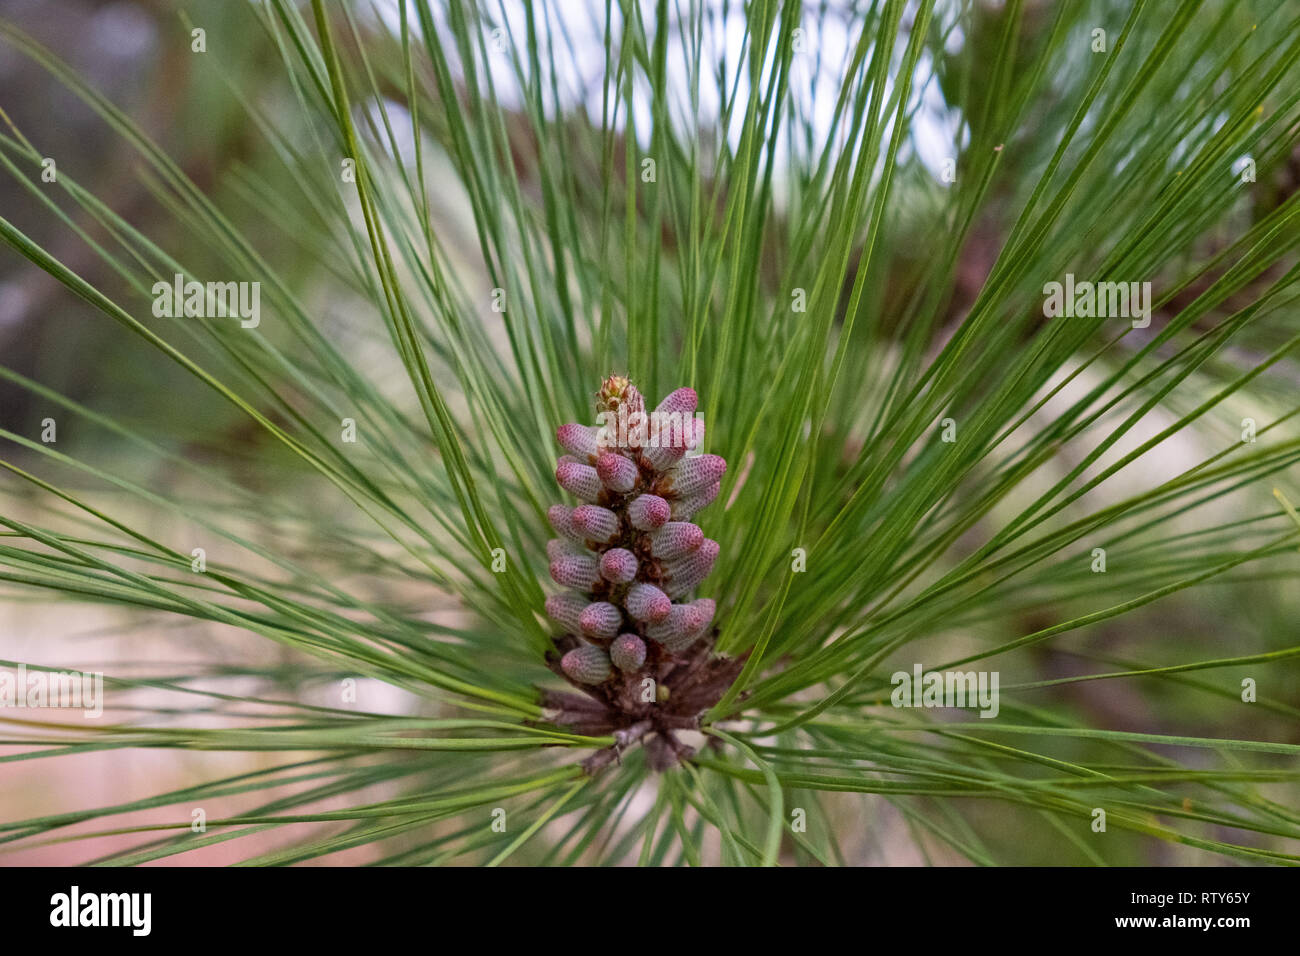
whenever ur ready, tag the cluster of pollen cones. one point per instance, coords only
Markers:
(630, 558)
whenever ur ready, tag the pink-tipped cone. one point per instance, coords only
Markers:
(688, 571)
(679, 628)
(561, 519)
(674, 539)
(685, 508)
(679, 401)
(648, 512)
(579, 441)
(580, 572)
(671, 439)
(627, 652)
(697, 620)
(594, 523)
(579, 480)
(566, 609)
(645, 602)
(600, 619)
(617, 473)
(693, 475)
(586, 664)
(707, 607)
(618, 565)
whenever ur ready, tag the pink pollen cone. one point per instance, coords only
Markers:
(579, 441)
(579, 480)
(693, 475)
(567, 609)
(579, 572)
(594, 523)
(671, 441)
(627, 652)
(561, 519)
(679, 628)
(681, 401)
(648, 512)
(688, 571)
(645, 602)
(600, 619)
(618, 565)
(586, 664)
(617, 473)
(675, 539)
(684, 508)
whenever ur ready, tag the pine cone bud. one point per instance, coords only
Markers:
(692, 476)
(694, 619)
(587, 664)
(681, 401)
(688, 571)
(617, 472)
(699, 619)
(594, 523)
(674, 430)
(645, 602)
(684, 508)
(566, 608)
(579, 441)
(627, 653)
(561, 519)
(666, 450)
(674, 539)
(625, 556)
(580, 572)
(648, 512)
(618, 565)
(600, 619)
(580, 481)
(679, 629)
